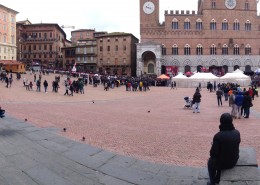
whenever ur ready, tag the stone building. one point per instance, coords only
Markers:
(220, 37)
(101, 52)
(7, 33)
(117, 53)
(40, 44)
(83, 51)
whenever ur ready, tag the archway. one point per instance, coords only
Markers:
(248, 68)
(236, 67)
(199, 68)
(187, 68)
(149, 63)
(225, 69)
(163, 69)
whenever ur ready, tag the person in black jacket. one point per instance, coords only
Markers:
(224, 151)
(247, 103)
(196, 101)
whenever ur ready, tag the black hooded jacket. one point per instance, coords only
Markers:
(225, 147)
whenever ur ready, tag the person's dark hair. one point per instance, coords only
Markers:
(226, 122)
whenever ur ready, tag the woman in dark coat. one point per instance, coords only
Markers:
(224, 151)
(196, 101)
(247, 102)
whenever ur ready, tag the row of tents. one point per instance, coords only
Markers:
(203, 78)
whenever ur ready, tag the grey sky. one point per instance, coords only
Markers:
(101, 15)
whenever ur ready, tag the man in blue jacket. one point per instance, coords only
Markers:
(224, 151)
(239, 102)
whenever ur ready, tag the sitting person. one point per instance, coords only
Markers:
(224, 151)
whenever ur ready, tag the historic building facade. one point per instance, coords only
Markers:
(220, 37)
(117, 53)
(40, 43)
(7, 33)
(101, 52)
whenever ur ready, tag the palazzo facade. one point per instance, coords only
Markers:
(220, 37)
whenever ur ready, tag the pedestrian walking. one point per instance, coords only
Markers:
(219, 94)
(45, 84)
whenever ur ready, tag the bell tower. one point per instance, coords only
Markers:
(149, 13)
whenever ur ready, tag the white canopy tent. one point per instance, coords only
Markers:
(181, 80)
(238, 78)
(202, 78)
(238, 71)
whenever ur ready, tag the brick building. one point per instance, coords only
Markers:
(101, 52)
(7, 33)
(220, 37)
(117, 53)
(40, 44)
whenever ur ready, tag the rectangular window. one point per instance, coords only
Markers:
(45, 56)
(34, 56)
(50, 34)
(45, 35)
(108, 48)
(40, 35)
(175, 51)
(116, 48)
(34, 47)
(246, 6)
(124, 48)
(163, 51)
(175, 25)
(213, 4)
(40, 56)
(45, 47)
(50, 47)
(101, 48)
(50, 55)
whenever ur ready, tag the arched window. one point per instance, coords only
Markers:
(224, 25)
(187, 49)
(150, 68)
(246, 5)
(236, 25)
(199, 49)
(175, 24)
(163, 50)
(248, 50)
(199, 24)
(213, 4)
(236, 50)
(225, 50)
(248, 26)
(187, 24)
(213, 49)
(213, 24)
(175, 49)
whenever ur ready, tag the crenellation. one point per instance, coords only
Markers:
(190, 27)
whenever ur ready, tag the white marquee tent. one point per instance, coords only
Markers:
(181, 80)
(194, 80)
(239, 78)
(202, 78)
(238, 71)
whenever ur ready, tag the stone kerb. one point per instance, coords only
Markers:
(245, 172)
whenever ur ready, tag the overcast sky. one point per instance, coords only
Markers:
(101, 15)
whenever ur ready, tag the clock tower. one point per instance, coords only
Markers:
(149, 13)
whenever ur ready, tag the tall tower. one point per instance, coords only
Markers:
(149, 13)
